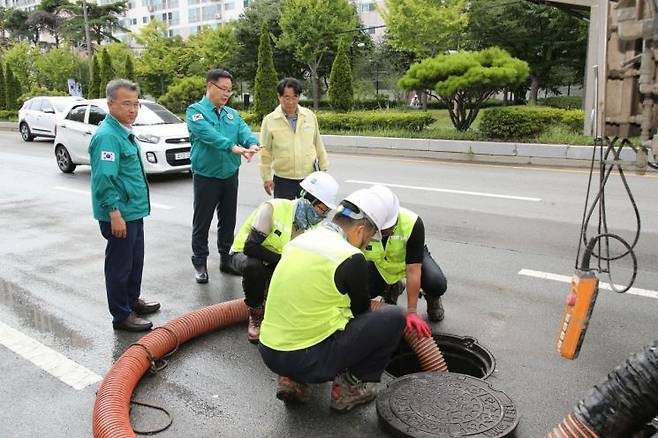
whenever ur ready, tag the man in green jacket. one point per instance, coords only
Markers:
(220, 138)
(120, 200)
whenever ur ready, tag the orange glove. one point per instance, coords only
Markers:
(417, 324)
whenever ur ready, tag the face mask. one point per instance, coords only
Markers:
(305, 215)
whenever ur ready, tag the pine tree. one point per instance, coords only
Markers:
(341, 93)
(94, 81)
(107, 72)
(130, 68)
(265, 95)
(13, 89)
(3, 89)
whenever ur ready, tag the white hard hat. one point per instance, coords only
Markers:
(372, 204)
(322, 186)
(392, 204)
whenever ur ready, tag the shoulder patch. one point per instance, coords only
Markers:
(107, 156)
(197, 116)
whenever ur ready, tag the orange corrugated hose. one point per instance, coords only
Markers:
(571, 427)
(111, 410)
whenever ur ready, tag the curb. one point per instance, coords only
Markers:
(9, 126)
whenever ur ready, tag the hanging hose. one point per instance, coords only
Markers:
(619, 407)
(111, 416)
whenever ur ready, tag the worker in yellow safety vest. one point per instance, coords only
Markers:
(268, 229)
(318, 325)
(402, 255)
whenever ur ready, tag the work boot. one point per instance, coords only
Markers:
(435, 312)
(292, 392)
(201, 274)
(255, 319)
(347, 392)
(393, 291)
(142, 307)
(226, 264)
(133, 323)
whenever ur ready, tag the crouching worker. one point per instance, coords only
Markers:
(318, 325)
(403, 255)
(266, 231)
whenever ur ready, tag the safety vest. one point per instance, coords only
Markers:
(390, 261)
(303, 305)
(283, 215)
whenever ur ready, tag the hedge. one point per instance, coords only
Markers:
(366, 120)
(563, 102)
(10, 115)
(527, 121)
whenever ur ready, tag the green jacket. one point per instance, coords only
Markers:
(117, 175)
(213, 136)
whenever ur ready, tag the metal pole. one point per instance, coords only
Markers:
(87, 38)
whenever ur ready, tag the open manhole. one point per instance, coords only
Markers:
(463, 354)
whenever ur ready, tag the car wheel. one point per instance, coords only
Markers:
(26, 135)
(64, 159)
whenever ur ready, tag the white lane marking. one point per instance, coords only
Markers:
(56, 364)
(459, 192)
(87, 192)
(567, 279)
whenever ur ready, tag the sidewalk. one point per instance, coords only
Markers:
(460, 150)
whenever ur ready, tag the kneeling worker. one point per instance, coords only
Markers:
(402, 254)
(268, 229)
(318, 325)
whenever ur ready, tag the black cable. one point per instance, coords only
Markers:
(154, 431)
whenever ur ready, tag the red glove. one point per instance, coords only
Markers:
(417, 324)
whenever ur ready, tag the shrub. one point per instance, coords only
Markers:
(360, 120)
(183, 93)
(527, 121)
(250, 119)
(563, 102)
(265, 94)
(8, 115)
(341, 93)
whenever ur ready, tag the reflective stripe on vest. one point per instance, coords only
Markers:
(390, 261)
(303, 305)
(283, 214)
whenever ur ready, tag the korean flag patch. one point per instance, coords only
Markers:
(107, 156)
(196, 117)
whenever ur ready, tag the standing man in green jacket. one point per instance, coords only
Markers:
(291, 142)
(120, 200)
(220, 138)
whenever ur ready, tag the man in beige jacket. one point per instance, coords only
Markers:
(291, 147)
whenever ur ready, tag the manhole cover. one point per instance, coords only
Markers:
(445, 405)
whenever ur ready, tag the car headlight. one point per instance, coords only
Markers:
(148, 138)
(151, 158)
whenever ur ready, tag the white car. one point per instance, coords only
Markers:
(162, 136)
(37, 116)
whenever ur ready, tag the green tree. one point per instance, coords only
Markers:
(210, 48)
(311, 29)
(22, 61)
(248, 32)
(183, 93)
(56, 66)
(95, 80)
(464, 80)
(106, 72)
(162, 60)
(15, 22)
(265, 94)
(103, 20)
(3, 89)
(341, 93)
(13, 89)
(548, 39)
(425, 27)
(118, 52)
(129, 69)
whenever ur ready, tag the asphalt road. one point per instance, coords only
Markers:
(52, 290)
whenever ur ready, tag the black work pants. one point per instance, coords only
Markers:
(256, 277)
(432, 280)
(286, 188)
(210, 195)
(364, 348)
(124, 262)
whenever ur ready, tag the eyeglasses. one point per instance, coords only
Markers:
(131, 105)
(225, 90)
(323, 209)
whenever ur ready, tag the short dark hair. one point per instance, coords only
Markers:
(218, 73)
(289, 83)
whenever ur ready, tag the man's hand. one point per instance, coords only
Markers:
(118, 225)
(246, 153)
(417, 324)
(269, 187)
